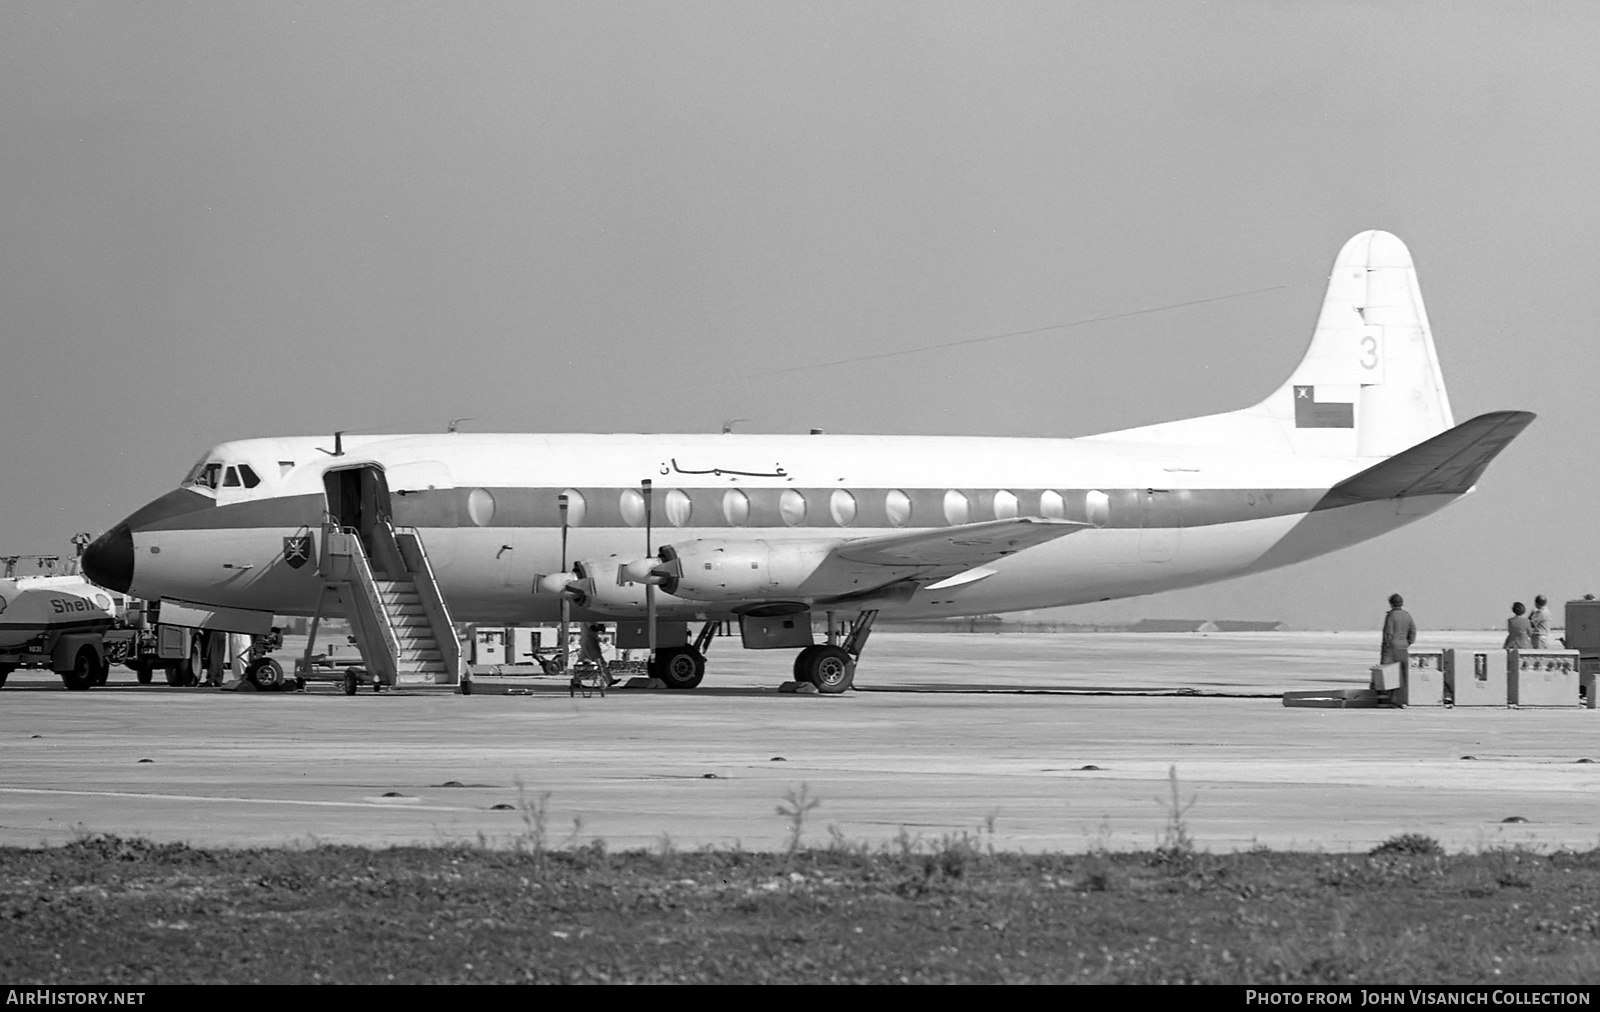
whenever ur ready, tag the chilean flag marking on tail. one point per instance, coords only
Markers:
(1308, 414)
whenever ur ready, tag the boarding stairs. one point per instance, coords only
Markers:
(398, 617)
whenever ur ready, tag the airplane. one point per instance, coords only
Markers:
(769, 530)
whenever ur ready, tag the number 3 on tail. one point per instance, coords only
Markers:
(1369, 352)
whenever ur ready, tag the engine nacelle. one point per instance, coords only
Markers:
(593, 585)
(721, 570)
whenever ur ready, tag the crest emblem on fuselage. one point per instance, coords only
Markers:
(297, 550)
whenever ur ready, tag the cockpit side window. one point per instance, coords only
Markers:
(231, 480)
(249, 476)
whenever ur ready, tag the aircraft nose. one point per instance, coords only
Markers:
(108, 561)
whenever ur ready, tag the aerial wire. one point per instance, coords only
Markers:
(1020, 333)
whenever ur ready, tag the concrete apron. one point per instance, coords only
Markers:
(708, 768)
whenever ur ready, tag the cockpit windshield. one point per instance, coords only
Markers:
(206, 474)
(214, 473)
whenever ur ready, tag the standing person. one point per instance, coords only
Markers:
(1399, 632)
(1519, 631)
(1539, 620)
(593, 649)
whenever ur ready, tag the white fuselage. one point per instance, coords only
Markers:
(1159, 516)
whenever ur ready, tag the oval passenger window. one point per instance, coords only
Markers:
(576, 507)
(898, 507)
(956, 508)
(1005, 505)
(792, 507)
(843, 507)
(736, 507)
(632, 503)
(679, 507)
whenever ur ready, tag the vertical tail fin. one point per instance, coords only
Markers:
(1369, 385)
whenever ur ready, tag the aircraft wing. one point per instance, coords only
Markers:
(960, 547)
(1448, 464)
(899, 564)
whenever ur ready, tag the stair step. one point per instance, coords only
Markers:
(419, 653)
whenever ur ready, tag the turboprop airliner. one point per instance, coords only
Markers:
(769, 530)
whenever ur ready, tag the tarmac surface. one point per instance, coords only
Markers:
(1049, 741)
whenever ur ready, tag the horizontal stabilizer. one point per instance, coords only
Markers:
(1447, 464)
(963, 547)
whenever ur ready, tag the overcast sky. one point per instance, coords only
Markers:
(223, 220)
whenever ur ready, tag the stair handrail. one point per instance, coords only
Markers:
(362, 571)
(432, 600)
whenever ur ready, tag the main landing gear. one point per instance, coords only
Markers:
(683, 667)
(831, 666)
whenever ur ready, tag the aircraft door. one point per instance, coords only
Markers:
(358, 500)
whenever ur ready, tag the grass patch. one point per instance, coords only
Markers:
(108, 910)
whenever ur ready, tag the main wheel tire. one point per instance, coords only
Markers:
(143, 673)
(350, 685)
(802, 661)
(86, 671)
(267, 674)
(678, 667)
(5, 669)
(831, 669)
(175, 675)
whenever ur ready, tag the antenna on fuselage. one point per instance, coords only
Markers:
(727, 426)
(452, 427)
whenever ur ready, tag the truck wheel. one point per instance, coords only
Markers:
(349, 684)
(86, 671)
(142, 672)
(5, 669)
(266, 673)
(190, 667)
